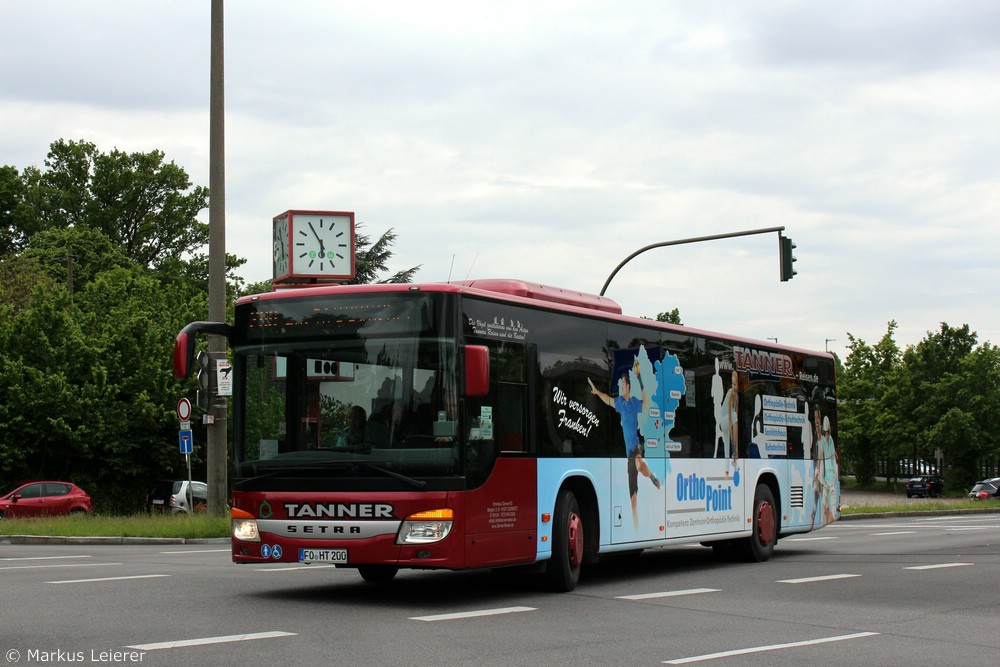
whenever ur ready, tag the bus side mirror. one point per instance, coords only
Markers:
(477, 370)
(184, 344)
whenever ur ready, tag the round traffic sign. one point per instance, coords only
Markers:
(184, 409)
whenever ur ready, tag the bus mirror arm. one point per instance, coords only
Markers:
(184, 344)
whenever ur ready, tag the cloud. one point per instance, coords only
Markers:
(549, 140)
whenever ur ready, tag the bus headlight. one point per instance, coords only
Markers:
(244, 526)
(426, 527)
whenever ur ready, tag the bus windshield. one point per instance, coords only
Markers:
(372, 391)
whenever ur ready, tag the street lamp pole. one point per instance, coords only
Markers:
(217, 431)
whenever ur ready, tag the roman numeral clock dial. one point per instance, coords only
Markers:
(322, 246)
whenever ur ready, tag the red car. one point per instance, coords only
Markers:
(34, 499)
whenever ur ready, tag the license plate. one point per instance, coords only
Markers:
(322, 555)
(157, 502)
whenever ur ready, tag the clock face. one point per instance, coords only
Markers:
(281, 247)
(322, 245)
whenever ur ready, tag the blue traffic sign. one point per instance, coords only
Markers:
(186, 441)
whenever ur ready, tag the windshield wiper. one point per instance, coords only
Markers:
(416, 483)
(304, 465)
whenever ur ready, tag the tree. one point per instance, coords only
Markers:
(12, 238)
(99, 269)
(862, 388)
(940, 395)
(369, 261)
(145, 206)
(672, 317)
(98, 272)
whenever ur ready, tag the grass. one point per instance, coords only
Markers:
(922, 505)
(199, 526)
(893, 499)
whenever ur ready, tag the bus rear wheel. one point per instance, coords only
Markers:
(760, 545)
(563, 569)
(377, 574)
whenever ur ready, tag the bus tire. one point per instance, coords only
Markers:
(377, 574)
(759, 546)
(563, 569)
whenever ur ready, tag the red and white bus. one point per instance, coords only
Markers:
(494, 423)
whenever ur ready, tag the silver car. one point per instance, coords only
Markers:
(177, 496)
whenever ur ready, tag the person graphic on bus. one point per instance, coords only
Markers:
(629, 408)
(831, 477)
(726, 404)
(825, 471)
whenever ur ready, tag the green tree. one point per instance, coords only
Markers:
(12, 237)
(916, 399)
(142, 204)
(862, 388)
(370, 260)
(671, 317)
(98, 272)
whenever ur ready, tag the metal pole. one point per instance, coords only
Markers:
(217, 435)
(695, 239)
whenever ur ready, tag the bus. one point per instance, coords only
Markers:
(500, 423)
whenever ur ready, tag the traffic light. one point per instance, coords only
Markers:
(204, 378)
(785, 247)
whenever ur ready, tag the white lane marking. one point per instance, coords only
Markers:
(668, 594)
(896, 532)
(472, 614)
(181, 643)
(294, 568)
(809, 580)
(89, 581)
(20, 558)
(762, 649)
(935, 567)
(42, 567)
(810, 539)
(199, 551)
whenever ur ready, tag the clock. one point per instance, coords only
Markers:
(281, 247)
(314, 246)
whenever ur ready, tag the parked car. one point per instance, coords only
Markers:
(924, 485)
(43, 498)
(988, 488)
(177, 496)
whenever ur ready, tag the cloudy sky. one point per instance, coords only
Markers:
(549, 140)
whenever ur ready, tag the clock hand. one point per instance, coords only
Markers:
(322, 249)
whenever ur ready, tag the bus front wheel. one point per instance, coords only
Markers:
(563, 570)
(759, 546)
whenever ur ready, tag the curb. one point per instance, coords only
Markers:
(896, 514)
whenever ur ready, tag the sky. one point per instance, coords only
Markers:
(548, 140)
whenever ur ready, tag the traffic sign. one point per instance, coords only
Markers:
(184, 409)
(186, 441)
(224, 377)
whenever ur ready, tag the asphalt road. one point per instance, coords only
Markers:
(888, 591)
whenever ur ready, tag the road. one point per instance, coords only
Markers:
(889, 591)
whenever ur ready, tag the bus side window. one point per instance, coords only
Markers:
(511, 421)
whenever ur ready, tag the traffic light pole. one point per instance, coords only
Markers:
(696, 239)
